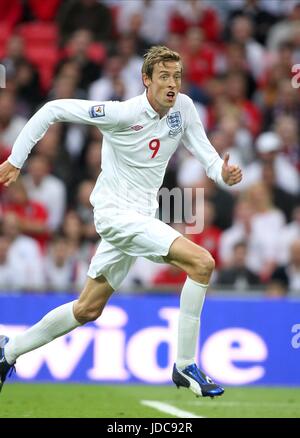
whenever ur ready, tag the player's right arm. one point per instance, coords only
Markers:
(105, 115)
(8, 173)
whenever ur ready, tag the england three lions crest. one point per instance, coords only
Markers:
(174, 122)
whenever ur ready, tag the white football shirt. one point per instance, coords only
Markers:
(137, 145)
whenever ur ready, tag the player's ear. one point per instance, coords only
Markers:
(146, 80)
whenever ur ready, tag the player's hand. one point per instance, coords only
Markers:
(231, 174)
(8, 173)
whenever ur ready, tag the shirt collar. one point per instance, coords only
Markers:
(148, 108)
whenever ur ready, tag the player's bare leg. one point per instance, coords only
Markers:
(199, 265)
(92, 299)
(56, 323)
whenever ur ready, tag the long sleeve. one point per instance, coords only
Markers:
(196, 141)
(105, 115)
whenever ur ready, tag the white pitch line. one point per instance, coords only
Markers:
(242, 403)
(169, 409)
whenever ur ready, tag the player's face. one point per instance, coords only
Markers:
(163, 87)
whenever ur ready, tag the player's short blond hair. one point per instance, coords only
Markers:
(157, 54)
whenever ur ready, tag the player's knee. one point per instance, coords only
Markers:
(85, 314)
(203, 266)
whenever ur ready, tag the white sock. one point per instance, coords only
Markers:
(56, 323)
(191, 303)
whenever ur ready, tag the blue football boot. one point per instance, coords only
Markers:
(194, 379)
(5, 367)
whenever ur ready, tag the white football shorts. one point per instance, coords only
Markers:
(127, 235)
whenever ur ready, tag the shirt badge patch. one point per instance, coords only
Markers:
(97, 111)
(136, 127)
(174, 122)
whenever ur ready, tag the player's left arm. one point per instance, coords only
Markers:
(196, 141)
(231, 174)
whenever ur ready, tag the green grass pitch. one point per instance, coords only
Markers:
(123, 401)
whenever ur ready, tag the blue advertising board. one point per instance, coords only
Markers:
(243, 341)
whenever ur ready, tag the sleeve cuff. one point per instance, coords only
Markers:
(221, 182)
(12, 161)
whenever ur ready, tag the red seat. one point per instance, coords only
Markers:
(39, 32)
(96, 52)
(42, 54)
(5, 33)
(45, 59)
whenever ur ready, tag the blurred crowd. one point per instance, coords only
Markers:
(241, 66)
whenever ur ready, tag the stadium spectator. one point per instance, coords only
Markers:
(46, 189)
(84, 210)
(51, 146)
(288, 276)
(275, 290)
(232, 137)
(169, 277)
(266, 225)
(278, 69)
(209, 237)
(148, 12)
(261, 18)
(73, 135)
(134, 28)
(282, 31)
(24, 251)
(33, 217)
(286, 103)
(288, 235)
(268, 147)
(282, 199)
(196, 13)
(12, 275)
(235, 60)
(10, 122)
(4, 154)
(236, 274)
(287, 129)
(70, 69)
(63, 272)
(242, 30)
(238, 232)
(26, 86)
(73, 230)
(222, 200)
(296, 43)
(76, 50)
(92, 163)
(247, 111)
(92, 15)
(111, 86)
(198, 57)
(141, 275)
(14, 53)
(131, 63)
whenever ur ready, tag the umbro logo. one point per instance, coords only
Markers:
(136, 127)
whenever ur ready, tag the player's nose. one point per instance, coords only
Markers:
(172, 83)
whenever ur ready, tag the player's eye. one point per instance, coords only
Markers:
(164, 77)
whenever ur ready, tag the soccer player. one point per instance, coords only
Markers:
(139, 137)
